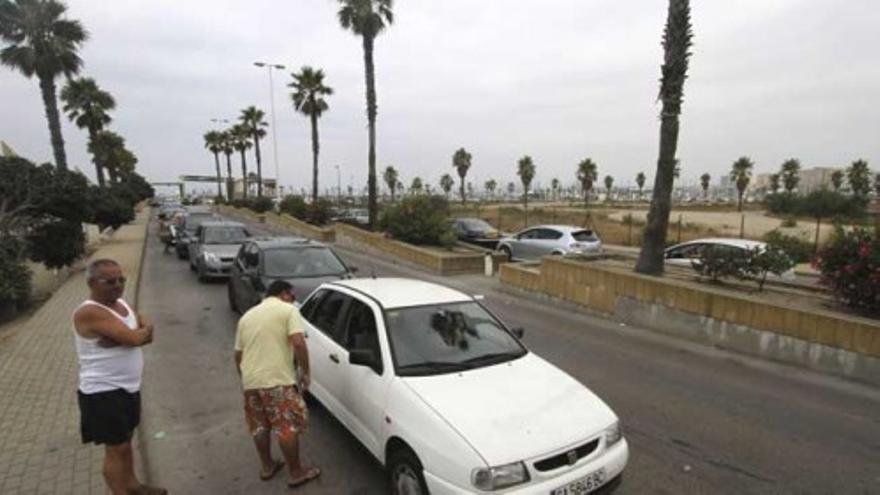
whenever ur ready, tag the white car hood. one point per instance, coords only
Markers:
(517, 410)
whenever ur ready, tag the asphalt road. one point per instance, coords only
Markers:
(698, 420)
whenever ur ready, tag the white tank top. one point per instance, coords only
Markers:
(108, 368)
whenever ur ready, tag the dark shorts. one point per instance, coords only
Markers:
(109, 417)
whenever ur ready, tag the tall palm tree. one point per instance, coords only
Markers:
(446, 183)
(609, 183)
(226, 146)
(105, 148)
(741, 174)
(251, 118)
(241, 141)
(490, 185)
(640, 181)
(308, 99)
(461, 160)
(677, 40)
(368, 18)
(789, 172)
(705, 180)
(87, 106)
(390, 178)
(214, 144)
(416, 187)
(837, 180)
(774, 183)
(525, 169)
(587, 174)
(41, 41)
(859, 177)
(554, 186)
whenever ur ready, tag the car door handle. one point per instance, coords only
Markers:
(334, 358)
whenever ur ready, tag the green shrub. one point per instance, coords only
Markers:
(294, 206)
(719, 262)
(319, 212)
(261, 204)
(15, 278)
(109, 207)
(56, 243)
(850, 266)
(789, 222)
(419, 220)
(782, 203)
(764, 262)
(798, 249)
(219, 200)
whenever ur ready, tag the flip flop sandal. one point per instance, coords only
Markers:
(311, 474)
(277, 467)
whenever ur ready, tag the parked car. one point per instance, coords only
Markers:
(448, 399)
(358, 216)
(213, 248)
(688, 253)
(475, 230)
(542, 240)
(302, 262)
(190, 223)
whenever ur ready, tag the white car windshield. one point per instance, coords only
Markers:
(445, 338)
(302, 262)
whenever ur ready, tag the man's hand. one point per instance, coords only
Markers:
(304, 382)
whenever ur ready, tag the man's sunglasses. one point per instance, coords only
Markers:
(112, 281)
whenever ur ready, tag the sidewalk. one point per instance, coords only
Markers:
(40, 448)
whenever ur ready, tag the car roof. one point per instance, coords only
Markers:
(561, 228)
(222, 223)
(723, 241)
(283, 242)
(393, 293)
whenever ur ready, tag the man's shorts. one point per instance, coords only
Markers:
(109, 417)
(281, 410)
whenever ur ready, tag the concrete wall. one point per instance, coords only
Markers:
(821, 340)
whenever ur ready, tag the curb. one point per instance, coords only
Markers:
(143, 462)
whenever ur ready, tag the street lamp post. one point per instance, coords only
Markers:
(338, 186)
(269, 67)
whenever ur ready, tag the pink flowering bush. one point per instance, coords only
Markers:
(850, 265)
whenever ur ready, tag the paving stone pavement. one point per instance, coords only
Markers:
(40, 448)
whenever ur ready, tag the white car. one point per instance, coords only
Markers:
(686, 253)
(448, 399)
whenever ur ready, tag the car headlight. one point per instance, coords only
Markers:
(496, 478)
(613, 434)
(211, 258)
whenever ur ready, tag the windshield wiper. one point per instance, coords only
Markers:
(495, 357)
(427, 367)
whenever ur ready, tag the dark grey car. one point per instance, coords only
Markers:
(304, 263)
(187, 231)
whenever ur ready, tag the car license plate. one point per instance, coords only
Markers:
(586, 484)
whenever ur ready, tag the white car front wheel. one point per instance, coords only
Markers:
(405, 473)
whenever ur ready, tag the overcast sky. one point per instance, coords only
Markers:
(559, 80)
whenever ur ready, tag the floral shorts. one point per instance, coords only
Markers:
(281, 410)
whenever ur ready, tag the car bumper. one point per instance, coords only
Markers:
(218, 270)
(613, 460)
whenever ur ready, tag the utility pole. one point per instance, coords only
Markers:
(270, 67)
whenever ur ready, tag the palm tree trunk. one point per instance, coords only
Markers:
(739, 206)
(228, 176)
(219, 178)
(462, 191)
(47, 88)
(99, 170)
(315, 147)
(651, 255)
(259, 165)
(244, 178)
(371, 119)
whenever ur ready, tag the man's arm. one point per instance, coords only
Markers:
(301, 355)
(238, 362)
(93, 322)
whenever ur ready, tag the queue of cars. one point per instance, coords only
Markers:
(435, 386)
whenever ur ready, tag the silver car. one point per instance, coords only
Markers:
(542, 240)
(213, 248)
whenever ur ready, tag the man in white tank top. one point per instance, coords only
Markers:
(108, 335)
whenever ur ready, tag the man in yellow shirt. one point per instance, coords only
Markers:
(273, 361)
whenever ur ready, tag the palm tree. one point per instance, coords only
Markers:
(526, 172)
(41, 41)
(368, 18)
(105, 148)
(741, 174)
(214, 144)
(837, 180)
(490, 186)
(308, 99)
(705, 180)
(511, 188)
(241, 141)
(677, 38)
(251, 119)
(859, 177)
(609, 183)
(226, 146)
(461, 160)
(446, 183)
(554, 187)
(86, 106)
(390, 177)
(640, 181)
(415, 187)
(587, 174)
(774, 183)
(789, 172)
